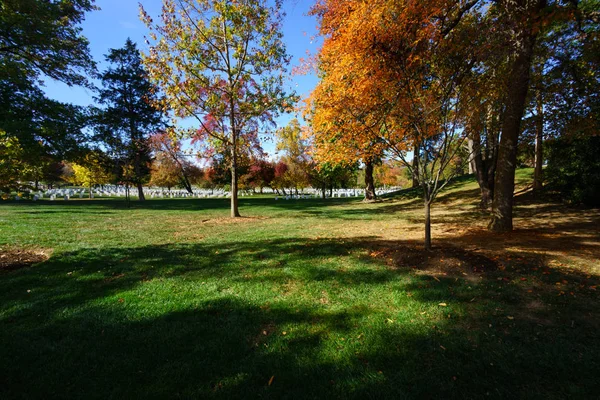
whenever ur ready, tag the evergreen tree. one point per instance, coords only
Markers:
(128, 118)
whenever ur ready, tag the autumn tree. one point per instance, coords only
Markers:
(221, 63)
(128, 117)
(391, 75)
(294, 148)
(260, 174)
(91, 170)
(171, 161)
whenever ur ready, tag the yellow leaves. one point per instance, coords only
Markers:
(442, 304)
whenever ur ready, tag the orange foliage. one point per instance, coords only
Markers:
(388, 68)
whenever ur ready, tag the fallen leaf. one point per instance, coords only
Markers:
(509, 317)
(271, 380)
(442, 304)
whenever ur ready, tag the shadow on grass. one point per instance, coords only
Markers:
(220, 320)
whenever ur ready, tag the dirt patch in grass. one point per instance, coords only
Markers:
(15, 258)
(442, 260)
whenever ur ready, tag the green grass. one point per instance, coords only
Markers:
(170, 299)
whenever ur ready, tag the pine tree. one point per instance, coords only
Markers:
(128, 117)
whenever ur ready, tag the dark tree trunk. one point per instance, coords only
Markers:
(481, 171)
(369, 182)
(324, 191)
(415, 167)
(141, 195)
(427, 224)
(539, 152)
(504, 184)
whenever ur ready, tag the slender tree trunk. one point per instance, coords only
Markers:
(90, 190)
(481, 171)
(504, 184)
(234, 178)
(427, 224)
(415, 167)
(491, 153)
(234, 181)
(324, 190)
(539, 152)
(369, 182)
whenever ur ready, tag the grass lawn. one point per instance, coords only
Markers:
(299, 299)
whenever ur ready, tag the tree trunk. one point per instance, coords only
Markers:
(471, 150)
(415, 167)
(186, 183)
(504, 184)
(234, 182)
(141, 195)
(539, 152)
(427, 224)
(369, 182)
(481, 170)
(324, 190)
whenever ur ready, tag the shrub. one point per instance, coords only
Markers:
(574, 169)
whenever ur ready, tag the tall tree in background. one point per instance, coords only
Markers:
(171, 160)
(221, 63)
(129, 117)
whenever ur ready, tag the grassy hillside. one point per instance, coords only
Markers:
(299, 299)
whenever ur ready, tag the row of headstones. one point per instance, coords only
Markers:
(317, 194)
(341, 193)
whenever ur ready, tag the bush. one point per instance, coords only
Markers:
(574, 169)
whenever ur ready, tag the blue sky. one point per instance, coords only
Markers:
(117, 20)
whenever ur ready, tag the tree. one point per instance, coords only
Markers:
(221, 63)
(171, 160)
(41, 37)
(391, 76)
(128, 118)
(290, 141)
(165, 172)
(11, 163)
(260, 174)
(573, 166)
(92, 170)
(521, 18)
